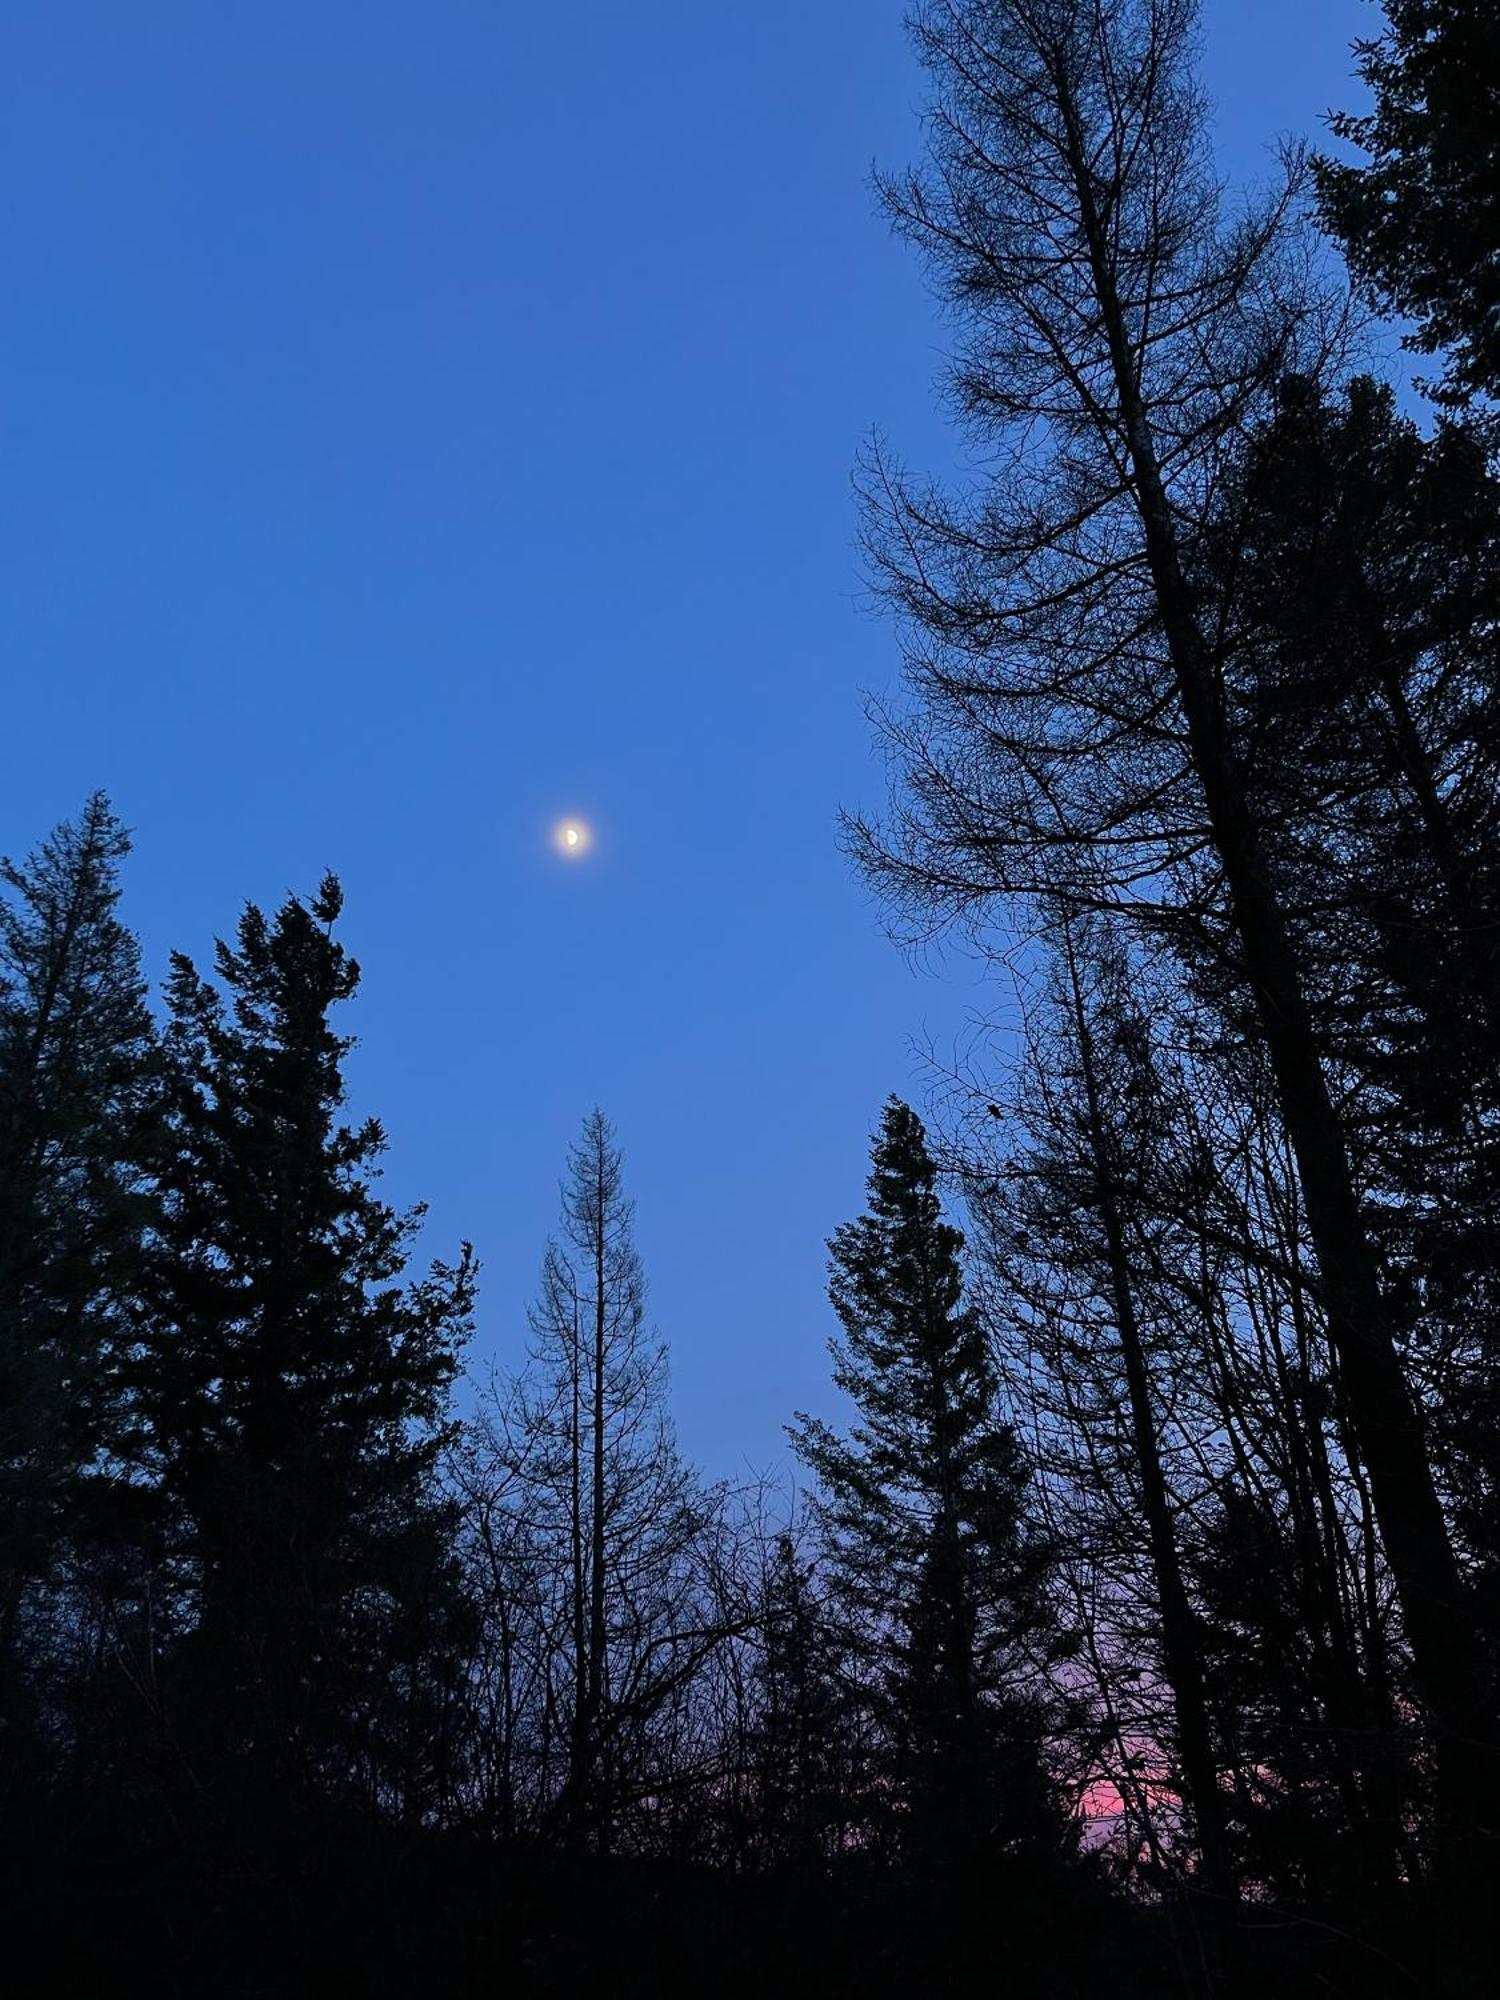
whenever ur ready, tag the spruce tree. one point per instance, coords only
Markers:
(1366, 568)
(924, 1504)
(75, 1062)
(804, 1751)
(1419, 218)
(292, 1387)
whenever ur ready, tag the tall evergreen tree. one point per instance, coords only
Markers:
(291, 1388)
(1366, 608)
(804, 1754)
(924, 1503)
(1419, 219)
(75, 1062)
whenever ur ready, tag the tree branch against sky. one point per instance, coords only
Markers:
(429, 442)
(1073, 724)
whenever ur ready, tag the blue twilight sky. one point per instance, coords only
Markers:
(421, 421)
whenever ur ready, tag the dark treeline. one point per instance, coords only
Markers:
(1139, 1627)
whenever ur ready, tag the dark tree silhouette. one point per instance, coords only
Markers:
(1074, 731)
(1419, 220)
(597, 1530)
(934, 1559)
(1144, 1235)
(1366, 565)
(804, 1752)
(292, 1389)
(1087, 1184)
(1144, 1631)
(76, 1046)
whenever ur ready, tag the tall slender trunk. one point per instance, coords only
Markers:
(958, 1703)
(598, 1658)
(578, 1749)
(1384, 1415)
(1358, 1736)
(1181, 1650)
(30, 1533)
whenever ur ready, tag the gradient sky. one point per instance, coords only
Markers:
(420, 421)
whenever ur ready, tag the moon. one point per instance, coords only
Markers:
(572, 838)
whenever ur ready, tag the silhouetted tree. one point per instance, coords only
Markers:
(804, 1751)
(1365, 561)
(1140, 1209)
(1176, 1486)
(76, 1047)
(597, 1527)
(1419, 220)
(1084, 1179)
(1074, 732)
(291, 1389)
(932, 1554)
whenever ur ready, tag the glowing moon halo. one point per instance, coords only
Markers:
(572, 838)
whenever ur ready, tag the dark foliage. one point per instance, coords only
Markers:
(287, 1394)
(1143, 1631)
(933, 1561)
(76, 1098)
(1419, 218)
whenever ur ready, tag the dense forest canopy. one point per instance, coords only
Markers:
(1138, 1623)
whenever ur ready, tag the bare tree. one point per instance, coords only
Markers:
(1148, 1259)
(591, 1534)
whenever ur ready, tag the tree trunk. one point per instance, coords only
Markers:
(1180, 1648)
(597, 1649)
(1385, 1418)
